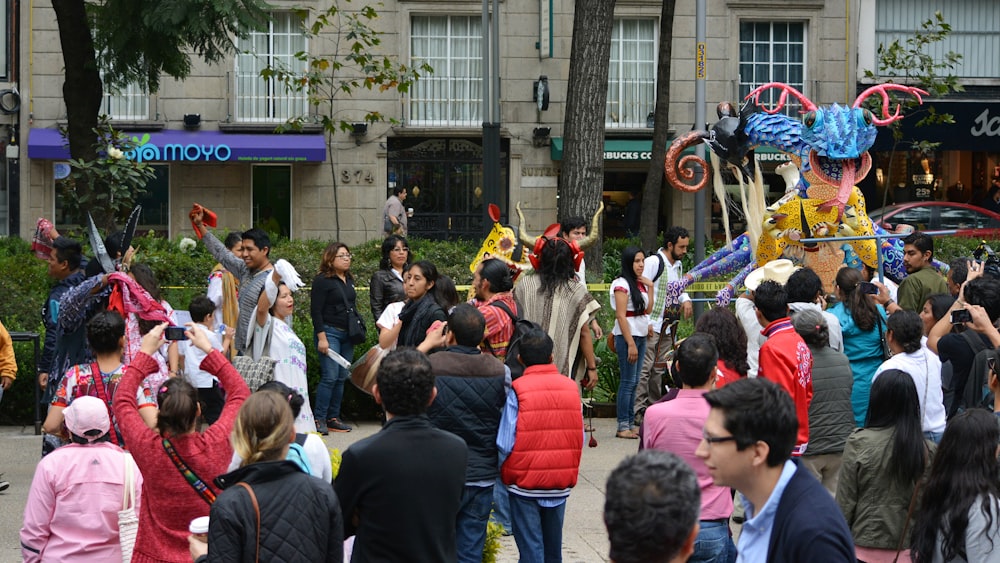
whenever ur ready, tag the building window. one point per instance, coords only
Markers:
(269, 100)
(773, 52)
(128, 103)
(155, 202)
(451, 95)
(632, 73)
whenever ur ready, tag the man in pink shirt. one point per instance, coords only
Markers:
(72, 510)
(675, 425)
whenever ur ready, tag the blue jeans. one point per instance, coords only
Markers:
(470, 526)
(629, 379)
(501, 507)
(934, 436)
(330, 390)
(713, 544)
(537, 530)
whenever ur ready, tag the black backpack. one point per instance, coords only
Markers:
(521, 326)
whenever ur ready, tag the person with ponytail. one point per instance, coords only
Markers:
(960, 505)
(177, 461)
(861, 321)
(252, 519)
(632, 301)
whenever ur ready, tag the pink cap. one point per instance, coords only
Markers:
(85, 414)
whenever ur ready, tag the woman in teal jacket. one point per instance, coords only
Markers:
(860, 320)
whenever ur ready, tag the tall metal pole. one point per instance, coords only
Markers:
(491, 111)
(701, 71)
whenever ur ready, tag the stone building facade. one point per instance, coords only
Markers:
(303, 186)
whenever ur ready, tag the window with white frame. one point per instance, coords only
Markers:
(632, 73)
(128, 103)
(773, 52)
(258, 99)
(452, 95)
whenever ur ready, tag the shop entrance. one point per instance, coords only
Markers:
(272, 199)
(444, 184)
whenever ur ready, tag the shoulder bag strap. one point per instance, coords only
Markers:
(503, 307)
(128, 491)
(196, 483)
(102, 394)
(256, 511)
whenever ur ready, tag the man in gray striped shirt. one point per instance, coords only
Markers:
(251, 270)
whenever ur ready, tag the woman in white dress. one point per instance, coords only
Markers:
(274, 313)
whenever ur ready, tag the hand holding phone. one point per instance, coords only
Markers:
(961, 316)
(868, 288)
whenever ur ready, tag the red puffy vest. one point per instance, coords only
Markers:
(549, 440)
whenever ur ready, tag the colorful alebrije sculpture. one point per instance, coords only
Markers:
(830, 147)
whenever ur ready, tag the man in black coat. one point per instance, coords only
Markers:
(400, 490)
(472, 388)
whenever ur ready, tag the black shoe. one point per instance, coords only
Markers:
(4, 485)
(337, 426)
(321, 428)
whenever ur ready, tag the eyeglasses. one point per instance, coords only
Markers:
(348, 256)
(717, 439)
(404, 249)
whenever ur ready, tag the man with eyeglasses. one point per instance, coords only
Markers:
(747, 444)
(675, 426)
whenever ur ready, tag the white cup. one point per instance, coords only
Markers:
(409, 212)
(199, 528)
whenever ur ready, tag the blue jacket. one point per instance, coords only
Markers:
(808, 525)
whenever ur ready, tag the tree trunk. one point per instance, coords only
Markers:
(652, 190)
(82, 90)
(582, 174)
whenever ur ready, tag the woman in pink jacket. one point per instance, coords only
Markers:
(72, 510)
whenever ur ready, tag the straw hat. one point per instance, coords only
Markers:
(775, 270)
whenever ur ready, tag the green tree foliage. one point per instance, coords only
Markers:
(114, 181)
(910, 62)
(355, 63)
(134, 41)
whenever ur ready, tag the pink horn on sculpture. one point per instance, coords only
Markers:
(807, 104)
(679, 170)
(883, 91)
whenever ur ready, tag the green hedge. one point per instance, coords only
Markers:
(24, 284)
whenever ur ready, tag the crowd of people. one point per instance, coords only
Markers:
(791, 430)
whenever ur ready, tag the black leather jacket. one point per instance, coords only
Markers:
(385, 288)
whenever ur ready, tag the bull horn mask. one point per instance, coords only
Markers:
(587, 242)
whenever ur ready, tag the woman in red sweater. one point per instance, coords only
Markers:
(173, 498)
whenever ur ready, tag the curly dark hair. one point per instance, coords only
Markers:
(651, 507)
(907, 330)
(963, 475)
(105, 331)
(295, 400)
(405, 382)
(730, 338)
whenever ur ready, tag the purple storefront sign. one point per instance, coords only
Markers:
(196, 146)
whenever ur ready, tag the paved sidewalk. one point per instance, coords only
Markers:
(584, 537)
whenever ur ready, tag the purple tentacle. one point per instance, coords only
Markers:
(725, 295)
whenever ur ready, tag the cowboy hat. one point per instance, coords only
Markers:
(775, 270)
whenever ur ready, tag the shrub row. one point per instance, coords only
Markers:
(24, 284)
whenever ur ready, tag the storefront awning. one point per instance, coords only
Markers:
(196, 146)
(636, 150)
(976, 127)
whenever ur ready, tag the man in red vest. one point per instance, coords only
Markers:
(540, 442)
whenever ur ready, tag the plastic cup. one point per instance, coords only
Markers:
(199, 528)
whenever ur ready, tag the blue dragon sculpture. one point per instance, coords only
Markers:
(830, 146)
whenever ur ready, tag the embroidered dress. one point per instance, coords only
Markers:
(290, 354)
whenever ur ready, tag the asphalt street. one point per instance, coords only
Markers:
(584, 537)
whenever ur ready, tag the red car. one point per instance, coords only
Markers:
(969, 220)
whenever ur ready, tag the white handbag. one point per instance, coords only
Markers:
(128, 520)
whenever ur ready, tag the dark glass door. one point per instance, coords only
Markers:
(444, 184)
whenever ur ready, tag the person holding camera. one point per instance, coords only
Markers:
(977, 308)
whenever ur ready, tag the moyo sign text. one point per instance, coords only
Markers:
(149, 152)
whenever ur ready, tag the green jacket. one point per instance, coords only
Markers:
(874, 505)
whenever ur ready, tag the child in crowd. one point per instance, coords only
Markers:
(202, 311)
